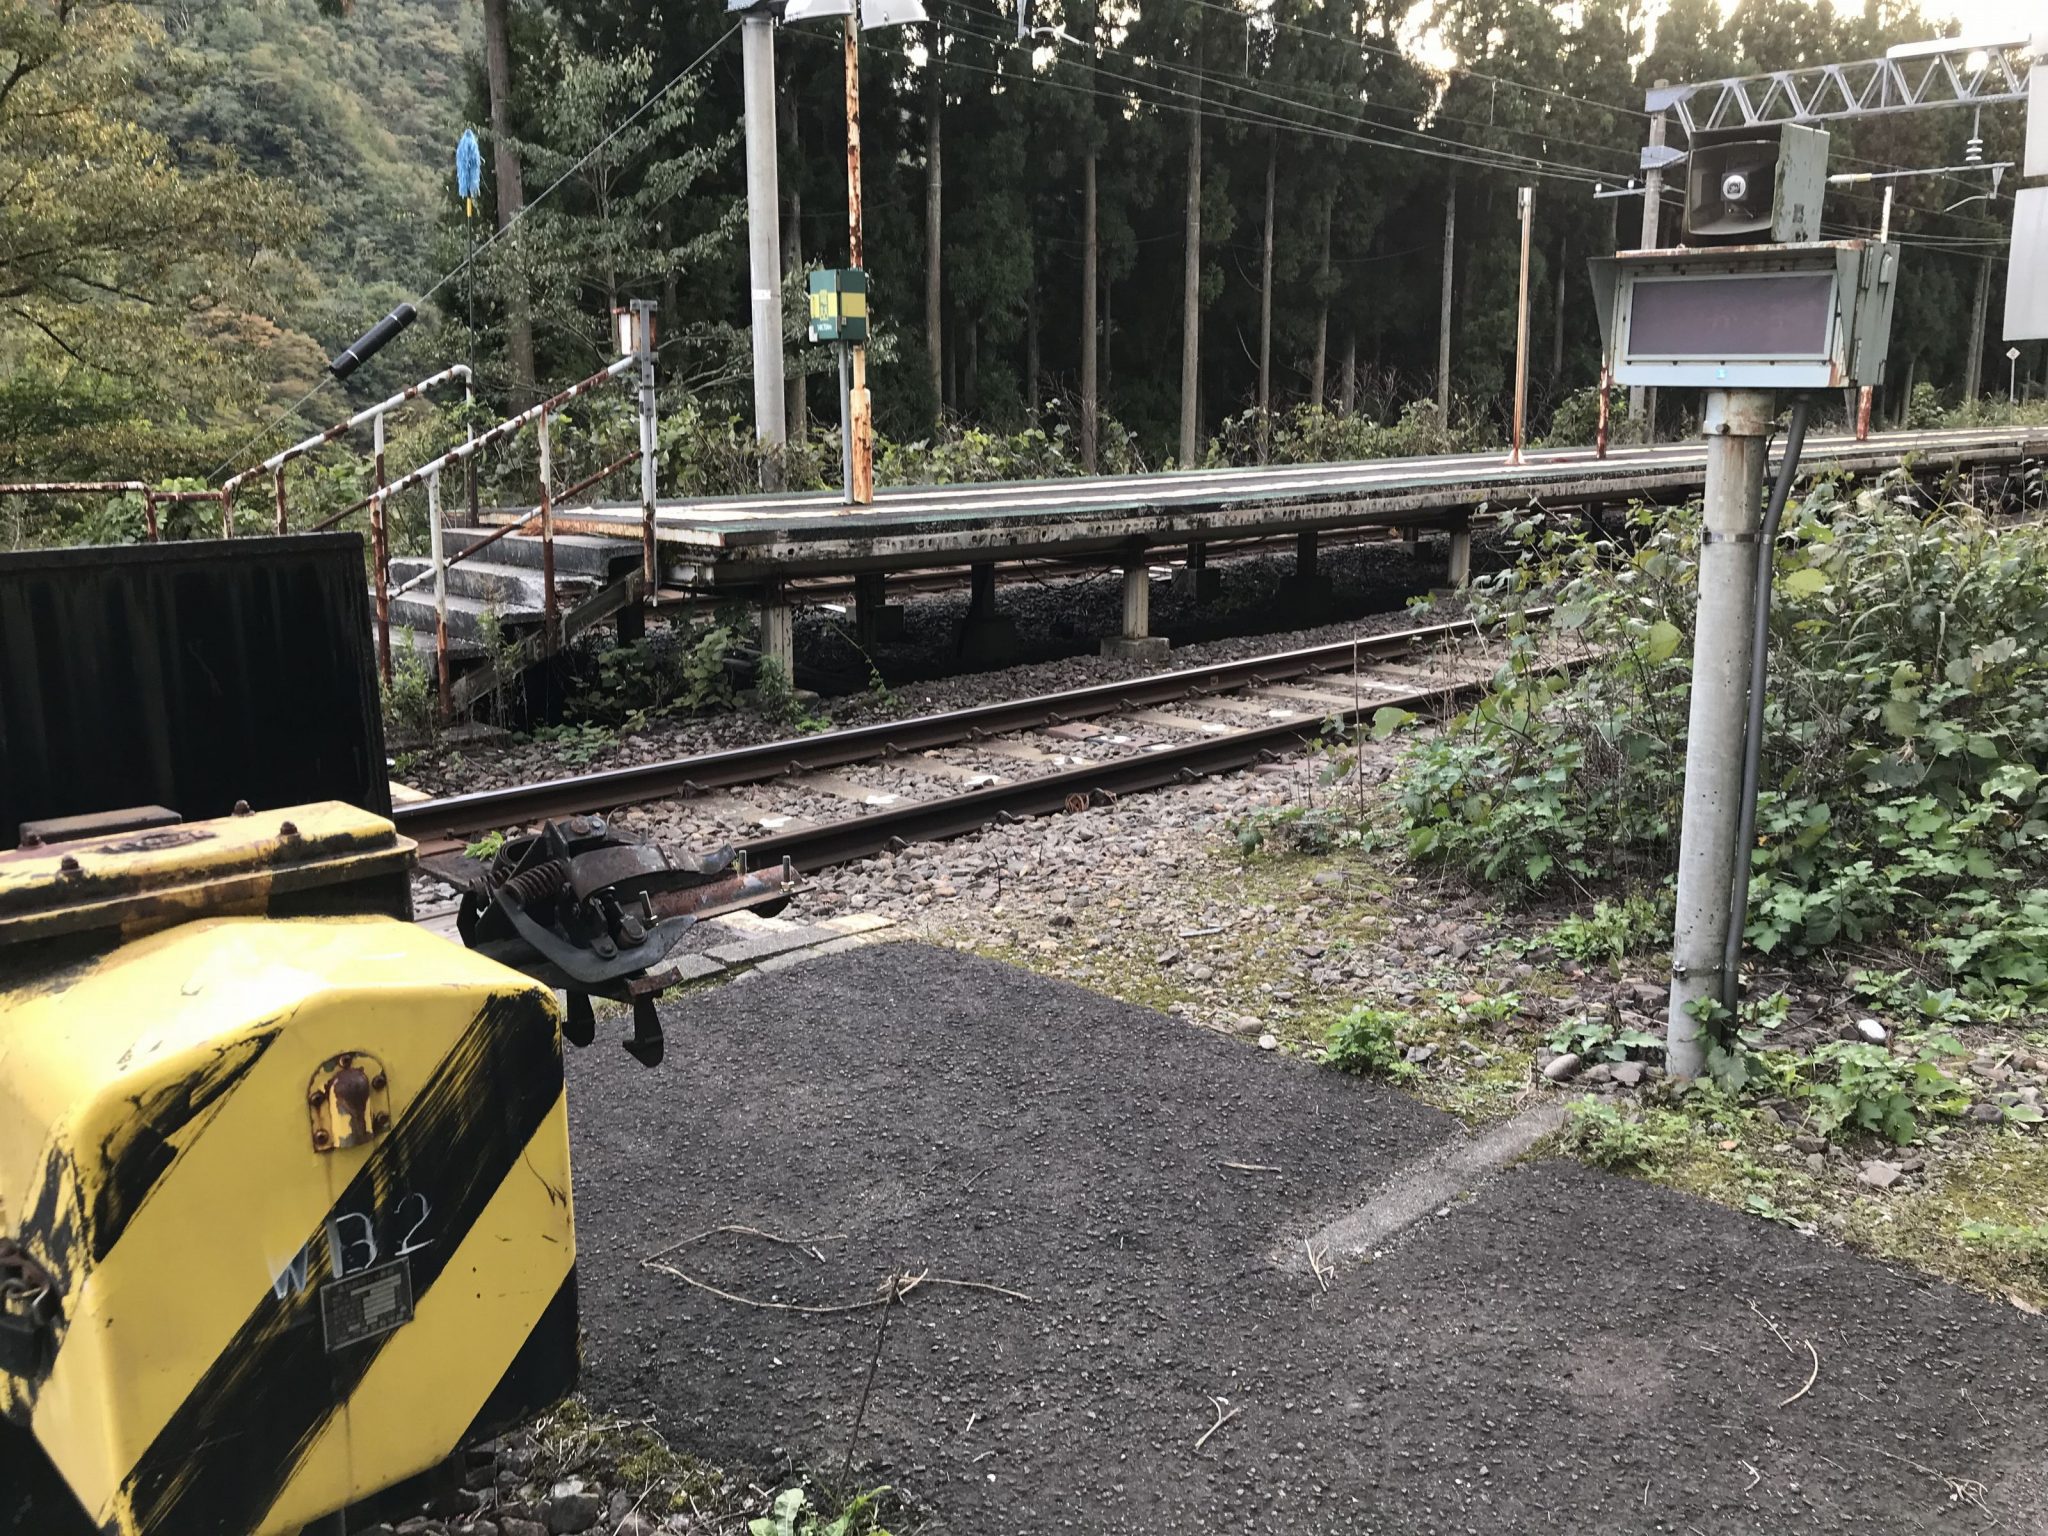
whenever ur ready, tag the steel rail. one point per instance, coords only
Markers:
(1071, 789)
(485, 810)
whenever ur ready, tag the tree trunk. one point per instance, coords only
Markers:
(1266, 296)
(1557, 336)
(1443, 324)
(934, 112)
(1321, 359)
(511, 190)
(1973, 379)
(970, 371)
(1090, 388)
(1031, 396)
(1191, 281)
(1108, 329)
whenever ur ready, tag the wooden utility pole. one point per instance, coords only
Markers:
(511, 189)
(1191, 283)
(860, 413)
(1443, 325)
(934, 316)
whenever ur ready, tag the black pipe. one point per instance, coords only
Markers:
(372, 341)
(1753, 736)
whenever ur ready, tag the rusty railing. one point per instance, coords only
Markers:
(429, 475)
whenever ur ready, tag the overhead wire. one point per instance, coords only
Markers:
(1355, 104)
(1208, 107)
(1396, 53)
(510, 224)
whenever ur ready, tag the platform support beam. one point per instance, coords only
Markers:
(1460, 573)
(875, 618)
(986, 637)
(1305, 556)
(1194, 579)
(778, 631)
(1137, 639)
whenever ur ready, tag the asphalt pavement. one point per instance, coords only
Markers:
(1116, 1327)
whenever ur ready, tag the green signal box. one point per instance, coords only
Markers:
(839, 305)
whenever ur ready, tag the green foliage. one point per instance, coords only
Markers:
(1296, 828)
(2028, 1242)
(131, 274)
(675, 671)
(485, 848)
(411, 700)
(776, 697)
(1312, 434)
(1592, 1039)
(1905, 769)
(793, 1515)
(1614, 930)
(1481, 1007)
(1610, 1136)
(1857, 1086)
(576, 745)
(1366, 1041)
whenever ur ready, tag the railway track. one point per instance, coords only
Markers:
(945, 775)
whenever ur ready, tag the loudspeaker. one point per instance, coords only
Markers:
(1756, 186)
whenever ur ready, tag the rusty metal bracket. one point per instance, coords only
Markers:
(348, 1101)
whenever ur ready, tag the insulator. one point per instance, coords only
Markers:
(372, 341)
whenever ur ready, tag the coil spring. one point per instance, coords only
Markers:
(538, 883)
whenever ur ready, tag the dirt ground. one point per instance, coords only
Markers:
(1564, 1351)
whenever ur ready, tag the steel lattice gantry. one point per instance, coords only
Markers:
(1866, 89)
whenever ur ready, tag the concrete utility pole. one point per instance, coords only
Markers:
(1640, 398)
(1884, 233)
(764, 236)
(1738, 422)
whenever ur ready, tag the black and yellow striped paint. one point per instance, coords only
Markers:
(156, 1160)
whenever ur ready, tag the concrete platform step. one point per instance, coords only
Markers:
(582, 553)
(465, 616)
(493, 581)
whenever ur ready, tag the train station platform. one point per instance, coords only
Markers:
(754, 545)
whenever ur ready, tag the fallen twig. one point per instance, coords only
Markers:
(904, 1285)
(1966, 1490)
(1315, 1263)
(1755, 1476)
(1222, 1419)
(1809, 1380)
(1251, 1167)
(1783, 1337)
(802, 1244)
(892, 1288)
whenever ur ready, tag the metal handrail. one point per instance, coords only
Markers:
(429, 475)
(519, 524)
(150, 497)
(380, 547)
